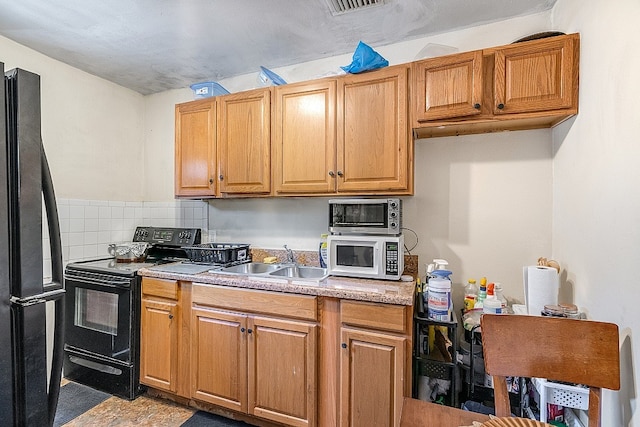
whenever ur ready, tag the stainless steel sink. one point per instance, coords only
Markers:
(301, 272)
(250, 268)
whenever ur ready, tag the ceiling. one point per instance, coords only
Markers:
(151, 46)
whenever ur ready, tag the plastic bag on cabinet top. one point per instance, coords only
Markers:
(365, 59)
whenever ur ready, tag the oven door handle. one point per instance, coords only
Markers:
(115, 283)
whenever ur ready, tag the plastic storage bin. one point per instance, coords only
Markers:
(208, 89)
(569, 396)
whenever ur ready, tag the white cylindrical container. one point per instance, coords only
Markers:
(439, 299)
(492, 306)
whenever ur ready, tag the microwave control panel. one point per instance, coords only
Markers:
(392, 252)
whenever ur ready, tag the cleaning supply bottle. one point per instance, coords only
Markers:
(482, 293)
(439, 301)
(492, 304)
(470, 294)
(419, 298)
(322, 250)
(500, 296)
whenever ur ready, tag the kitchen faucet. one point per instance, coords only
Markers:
(290, 257)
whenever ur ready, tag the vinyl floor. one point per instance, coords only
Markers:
(143, 411)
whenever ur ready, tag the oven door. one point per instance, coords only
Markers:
(98, 317)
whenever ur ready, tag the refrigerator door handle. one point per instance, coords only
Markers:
(57, 284)
(53, 225)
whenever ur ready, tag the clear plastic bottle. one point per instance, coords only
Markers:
(470, 294)
(500, 296)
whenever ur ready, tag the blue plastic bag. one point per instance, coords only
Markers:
(365, 59)
(267, 77)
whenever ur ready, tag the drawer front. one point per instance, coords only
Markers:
(256, 301)
(160, 288)
(386, 317)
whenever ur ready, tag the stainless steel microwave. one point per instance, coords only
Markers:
(365, 216)
(373, 257)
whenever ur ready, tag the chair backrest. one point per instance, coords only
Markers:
(558, 349)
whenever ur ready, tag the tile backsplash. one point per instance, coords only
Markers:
(87, 227)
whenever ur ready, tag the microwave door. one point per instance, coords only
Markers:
(354, 258)
(356, 255)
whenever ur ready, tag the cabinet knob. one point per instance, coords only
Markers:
(221, 177)
(340, 173)
(476, 106)
(500, 106)
(344, 345)
(332, 173)
(210, 180)
(249, 330)
(171, 316)
(242, 329)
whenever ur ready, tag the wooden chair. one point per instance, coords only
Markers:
(575, 351)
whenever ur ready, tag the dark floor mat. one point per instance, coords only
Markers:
(205, 419)
(75, 400)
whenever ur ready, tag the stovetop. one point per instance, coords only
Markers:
(111, 266)
(166, 246)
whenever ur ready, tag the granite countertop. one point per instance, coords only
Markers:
(381, 291)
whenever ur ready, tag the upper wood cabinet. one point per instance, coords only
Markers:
(344, 136)
(536, 76)
(195, 149)
(525, 85)
(304, 138)
(244, 142)
(450, 86)
(375, 152)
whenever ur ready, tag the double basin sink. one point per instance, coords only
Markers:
(288, 271)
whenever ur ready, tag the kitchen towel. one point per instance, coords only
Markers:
(541, 286)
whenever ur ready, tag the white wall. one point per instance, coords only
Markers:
(91, 128)
(596, 202)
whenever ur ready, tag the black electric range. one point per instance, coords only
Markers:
(102, 317)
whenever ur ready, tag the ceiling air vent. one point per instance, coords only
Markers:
(338, 7)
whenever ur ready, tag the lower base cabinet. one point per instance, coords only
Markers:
(252, 363)
(374, 367)
(277, 358)
(372, 373)
(159, 323)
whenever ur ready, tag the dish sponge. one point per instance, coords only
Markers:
(270, 260)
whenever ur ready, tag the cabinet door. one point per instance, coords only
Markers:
(219, 358)
(371, 376)
(536, 76)
(372, 131)
(159, 344)
(195, 149)
(447, 87)
(282, 371)
(304, 142)
(244, 142)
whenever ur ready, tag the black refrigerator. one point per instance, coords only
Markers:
(28, 389)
